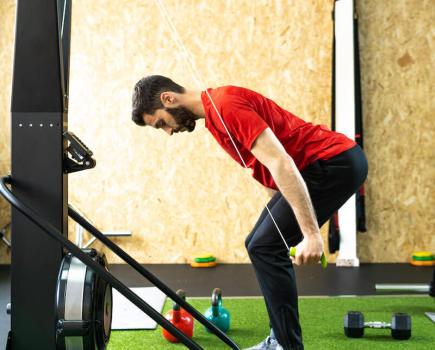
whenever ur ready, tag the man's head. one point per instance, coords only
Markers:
(157, 101)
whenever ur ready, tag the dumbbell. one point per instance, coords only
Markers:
(180, 318)
(400, 325)
(217, 314)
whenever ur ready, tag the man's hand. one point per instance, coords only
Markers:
(309, 250)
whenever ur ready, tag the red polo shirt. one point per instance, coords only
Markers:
(247, 114)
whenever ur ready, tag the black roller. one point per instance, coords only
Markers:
(83, 304)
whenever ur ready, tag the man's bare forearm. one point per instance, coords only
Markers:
(270, 152)
(292, 186)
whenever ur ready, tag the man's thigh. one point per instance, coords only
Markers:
(330, 183)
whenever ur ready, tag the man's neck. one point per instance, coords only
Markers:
(192, 100)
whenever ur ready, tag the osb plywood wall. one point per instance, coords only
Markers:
(7, 19)
(397, 58)
(182, 194)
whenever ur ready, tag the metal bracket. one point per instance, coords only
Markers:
(81, 155)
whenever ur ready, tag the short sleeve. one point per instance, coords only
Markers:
(242, 121)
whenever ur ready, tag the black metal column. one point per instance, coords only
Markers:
(39, 118)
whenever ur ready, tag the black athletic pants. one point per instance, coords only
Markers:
(330, 183)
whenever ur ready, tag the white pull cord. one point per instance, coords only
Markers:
(202, 86)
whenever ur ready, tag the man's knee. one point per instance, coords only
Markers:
(251, 244)
(248, 239)
(257, 247)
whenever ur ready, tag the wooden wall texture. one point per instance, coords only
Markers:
(183, 194)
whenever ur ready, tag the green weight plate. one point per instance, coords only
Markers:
(423, 258)
(205, 260)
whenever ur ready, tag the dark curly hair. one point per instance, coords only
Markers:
(146, 95)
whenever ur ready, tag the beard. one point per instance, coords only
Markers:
(184, 118)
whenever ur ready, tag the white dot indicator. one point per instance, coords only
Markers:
(41, 125)
(51, 125)
(20, 125)
(30, 125)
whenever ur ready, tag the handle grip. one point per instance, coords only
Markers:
(323, 261)
(216, 302)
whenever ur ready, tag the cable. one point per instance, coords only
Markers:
(201, 85)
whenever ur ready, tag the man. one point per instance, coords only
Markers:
(314, 170)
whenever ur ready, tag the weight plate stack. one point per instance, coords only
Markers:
(83, 305)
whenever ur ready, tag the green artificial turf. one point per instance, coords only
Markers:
(321, 319)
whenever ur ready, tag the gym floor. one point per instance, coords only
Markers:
(312, 281)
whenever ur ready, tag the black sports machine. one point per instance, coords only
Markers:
(61, 295)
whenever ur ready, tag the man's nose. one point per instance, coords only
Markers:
(168, 130)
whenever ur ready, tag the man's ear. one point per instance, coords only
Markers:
(168, 99)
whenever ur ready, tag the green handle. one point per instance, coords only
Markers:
(323, 261)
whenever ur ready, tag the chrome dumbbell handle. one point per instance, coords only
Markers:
(377, 324)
